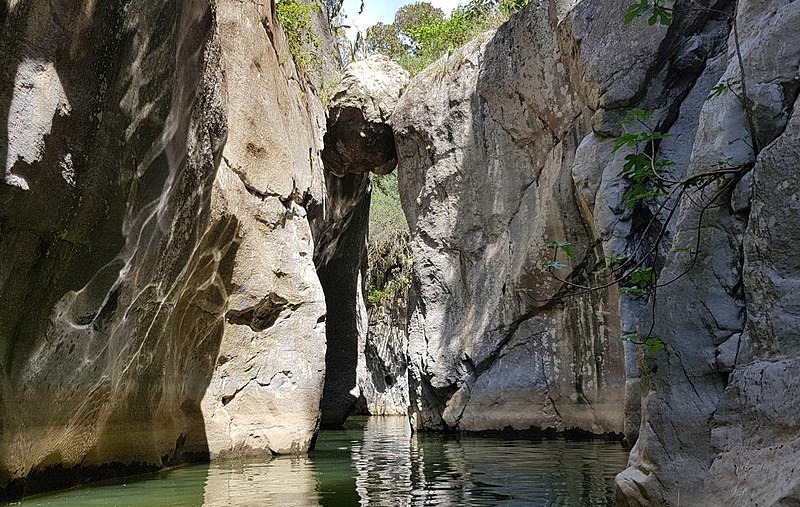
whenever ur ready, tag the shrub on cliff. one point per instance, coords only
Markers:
(388, 250)
(295, 18)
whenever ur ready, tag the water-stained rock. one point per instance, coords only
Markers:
(486, 139)
(156, 261)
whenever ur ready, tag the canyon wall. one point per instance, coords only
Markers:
(179, 269)
(160, 299)
(720, 413)
(507, 145)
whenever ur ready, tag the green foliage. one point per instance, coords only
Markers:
(511, 7)
(412, 16)
(388, 250)
(421, 33)
(613, 260)
(640, 167)
(724, 86)
(296, 18)
(657, 12)
(639, 282)
(565, 247)
(559, 246)
(653, 344)
(383, 39)
(328, 89)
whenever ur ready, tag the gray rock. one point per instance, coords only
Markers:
(486, 139)
(359, 138)
(756, 429)
(383, 358)
(720, 414)
(359, 141)
(160, 298)
(504, 145)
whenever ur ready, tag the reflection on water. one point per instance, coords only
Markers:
(377, 462)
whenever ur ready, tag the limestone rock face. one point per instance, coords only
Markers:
(340, 259)
(382, 373)
(507, 144)
(487, 140)
(359, 138)
(264, 395)
(720, 411)
(156, 260)
(358, 142)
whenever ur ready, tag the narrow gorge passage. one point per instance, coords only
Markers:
(359, 143)
(548, 247)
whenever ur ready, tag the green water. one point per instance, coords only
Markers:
(377, 462)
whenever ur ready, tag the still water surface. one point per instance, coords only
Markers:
(377, 462)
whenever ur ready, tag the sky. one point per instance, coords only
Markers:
(383, 11)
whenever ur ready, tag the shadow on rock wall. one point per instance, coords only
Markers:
(113, 274)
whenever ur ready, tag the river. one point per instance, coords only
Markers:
(377, 462)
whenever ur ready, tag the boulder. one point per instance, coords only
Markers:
(359, 138)
(358, 143)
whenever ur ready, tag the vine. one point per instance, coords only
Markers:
(650, 182)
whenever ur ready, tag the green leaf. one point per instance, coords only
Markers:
(664, 16)
(654, 344)
(554, 265)
(630, 139)
(564, 246)
(641, 276)
(722, 87)
(636, 10)
(568, 249)
(616, 259)
(631, 291)
(635, 114)
(635, 164)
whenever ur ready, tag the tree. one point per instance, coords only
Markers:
(421, 33)
(383, 39)
(416, 15)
